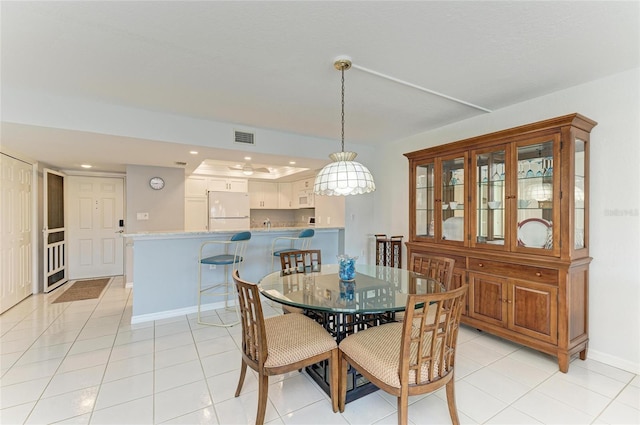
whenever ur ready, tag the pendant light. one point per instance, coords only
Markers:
(343, 176)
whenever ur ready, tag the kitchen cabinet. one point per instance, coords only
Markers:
(195, 214)
(196, 186)
(220, 184)
(195, 203)
(263, 195)
(303, 192)
(511, 208)
(285, 196)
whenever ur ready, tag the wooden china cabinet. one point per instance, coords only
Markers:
(511, 208)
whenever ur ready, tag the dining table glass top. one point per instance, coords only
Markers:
(375, 289)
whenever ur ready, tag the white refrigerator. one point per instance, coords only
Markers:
(228, 211)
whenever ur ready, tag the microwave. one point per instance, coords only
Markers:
(305, 198)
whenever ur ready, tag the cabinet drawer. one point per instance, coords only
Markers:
(515, 271)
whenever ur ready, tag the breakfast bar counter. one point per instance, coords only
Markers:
(165, 266)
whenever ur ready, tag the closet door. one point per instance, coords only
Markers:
(16, 232)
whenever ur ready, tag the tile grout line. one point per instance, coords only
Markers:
(104, 372)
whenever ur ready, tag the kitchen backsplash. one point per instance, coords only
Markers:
(282, 218)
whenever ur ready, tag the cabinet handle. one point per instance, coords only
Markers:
(509, 302)
(480, 265)
(538, 274)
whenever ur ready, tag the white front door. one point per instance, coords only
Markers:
(95, 208)
(16, 186)
(53, 233)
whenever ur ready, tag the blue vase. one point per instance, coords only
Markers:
(347, 271)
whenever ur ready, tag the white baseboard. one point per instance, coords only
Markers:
(614, 361)
(128, 285)
(140, 318)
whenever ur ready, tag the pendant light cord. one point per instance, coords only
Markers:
(342, 71)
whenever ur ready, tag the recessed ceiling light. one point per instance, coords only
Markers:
(193, 152)
(292, 163)
(86, 165)
(247, 158)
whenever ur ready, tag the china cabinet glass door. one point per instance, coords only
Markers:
(537, 195)
(452, 198)
(490, 197)
(425, 201)
(579, 193)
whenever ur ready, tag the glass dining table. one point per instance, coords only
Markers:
(373, 298)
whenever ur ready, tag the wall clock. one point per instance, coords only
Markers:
(156, 183)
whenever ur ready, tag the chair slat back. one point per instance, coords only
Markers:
(301, 261)
(254, 338)
(439, 268)
(430, 334)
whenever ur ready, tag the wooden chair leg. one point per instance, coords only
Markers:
(263, 392)
(243, 372)
(343, 381)
(334, 378)
(451, 402)
(403, 410)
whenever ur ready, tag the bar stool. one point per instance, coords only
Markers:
(233, 256)
(296, 243)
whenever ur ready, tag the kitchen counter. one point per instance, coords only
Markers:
(165, 266)
(170, 234)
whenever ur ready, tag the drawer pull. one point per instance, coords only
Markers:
(480, 265)
(538, 274)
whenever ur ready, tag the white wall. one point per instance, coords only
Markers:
(165, 207)
(614, 102)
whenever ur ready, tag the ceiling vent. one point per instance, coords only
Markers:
(244, 138)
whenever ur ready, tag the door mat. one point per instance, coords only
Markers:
(83, 290)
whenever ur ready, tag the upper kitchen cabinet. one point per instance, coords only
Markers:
(196, 187)
(221, 184)
(263, 195)
(285, 196)
(303, 193)
(511, 208)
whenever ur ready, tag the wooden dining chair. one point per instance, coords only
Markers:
(436, 267)
(433, 266)
(280, 344)
(414, 357)
(302, 261)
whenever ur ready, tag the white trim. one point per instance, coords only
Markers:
(614, 361)
(83, 173)
(140, 318)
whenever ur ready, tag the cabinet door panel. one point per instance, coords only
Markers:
(538, 201)
(534, 310)
(487, 298)
(453, 199)
(490, 197)
(424, 201)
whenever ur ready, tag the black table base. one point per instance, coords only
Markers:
(340, 325)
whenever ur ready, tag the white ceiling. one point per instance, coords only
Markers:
(270, 64)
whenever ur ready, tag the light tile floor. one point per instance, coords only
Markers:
(83, 362)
